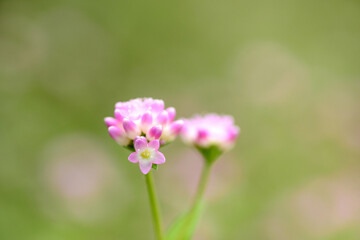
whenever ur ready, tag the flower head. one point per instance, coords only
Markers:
(211, 130)
(146, 154)
(143, 117)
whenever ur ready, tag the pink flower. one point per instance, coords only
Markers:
(210, 130)
(146, 154)
(143, 117)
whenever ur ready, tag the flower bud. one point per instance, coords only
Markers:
(171, 113)
(118, 115)
(202, 136)
(118, 135)
(146, 121)
(233, 133)
(110, 121)
(131, 129)
(175, 127)
(157, 105)
(163, 117)
(155, 132)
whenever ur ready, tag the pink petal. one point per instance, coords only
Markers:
(139, 137)
(145, 166)
(171, 113)
(110, 121)
(133, 157)
(158, 158)
(154, 144)
(140, 143)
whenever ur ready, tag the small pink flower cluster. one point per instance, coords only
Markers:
(141, 120)
(144, 125)
(143, 117)
(210, 130)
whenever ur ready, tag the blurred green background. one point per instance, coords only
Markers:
(288, 71)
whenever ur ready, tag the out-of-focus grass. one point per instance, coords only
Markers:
(288, 72)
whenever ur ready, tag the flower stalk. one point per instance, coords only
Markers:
(204, 179)
(191, 218)
(195, 209)
(154, 206)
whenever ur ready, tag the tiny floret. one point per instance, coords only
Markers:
(146, 154)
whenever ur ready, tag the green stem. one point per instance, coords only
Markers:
(193, 214)
(204, 178)
(155, 210)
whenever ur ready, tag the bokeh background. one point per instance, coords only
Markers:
(288, 71)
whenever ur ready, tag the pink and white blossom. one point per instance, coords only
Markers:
(210, 130)
(146, 154)
(143, 117)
